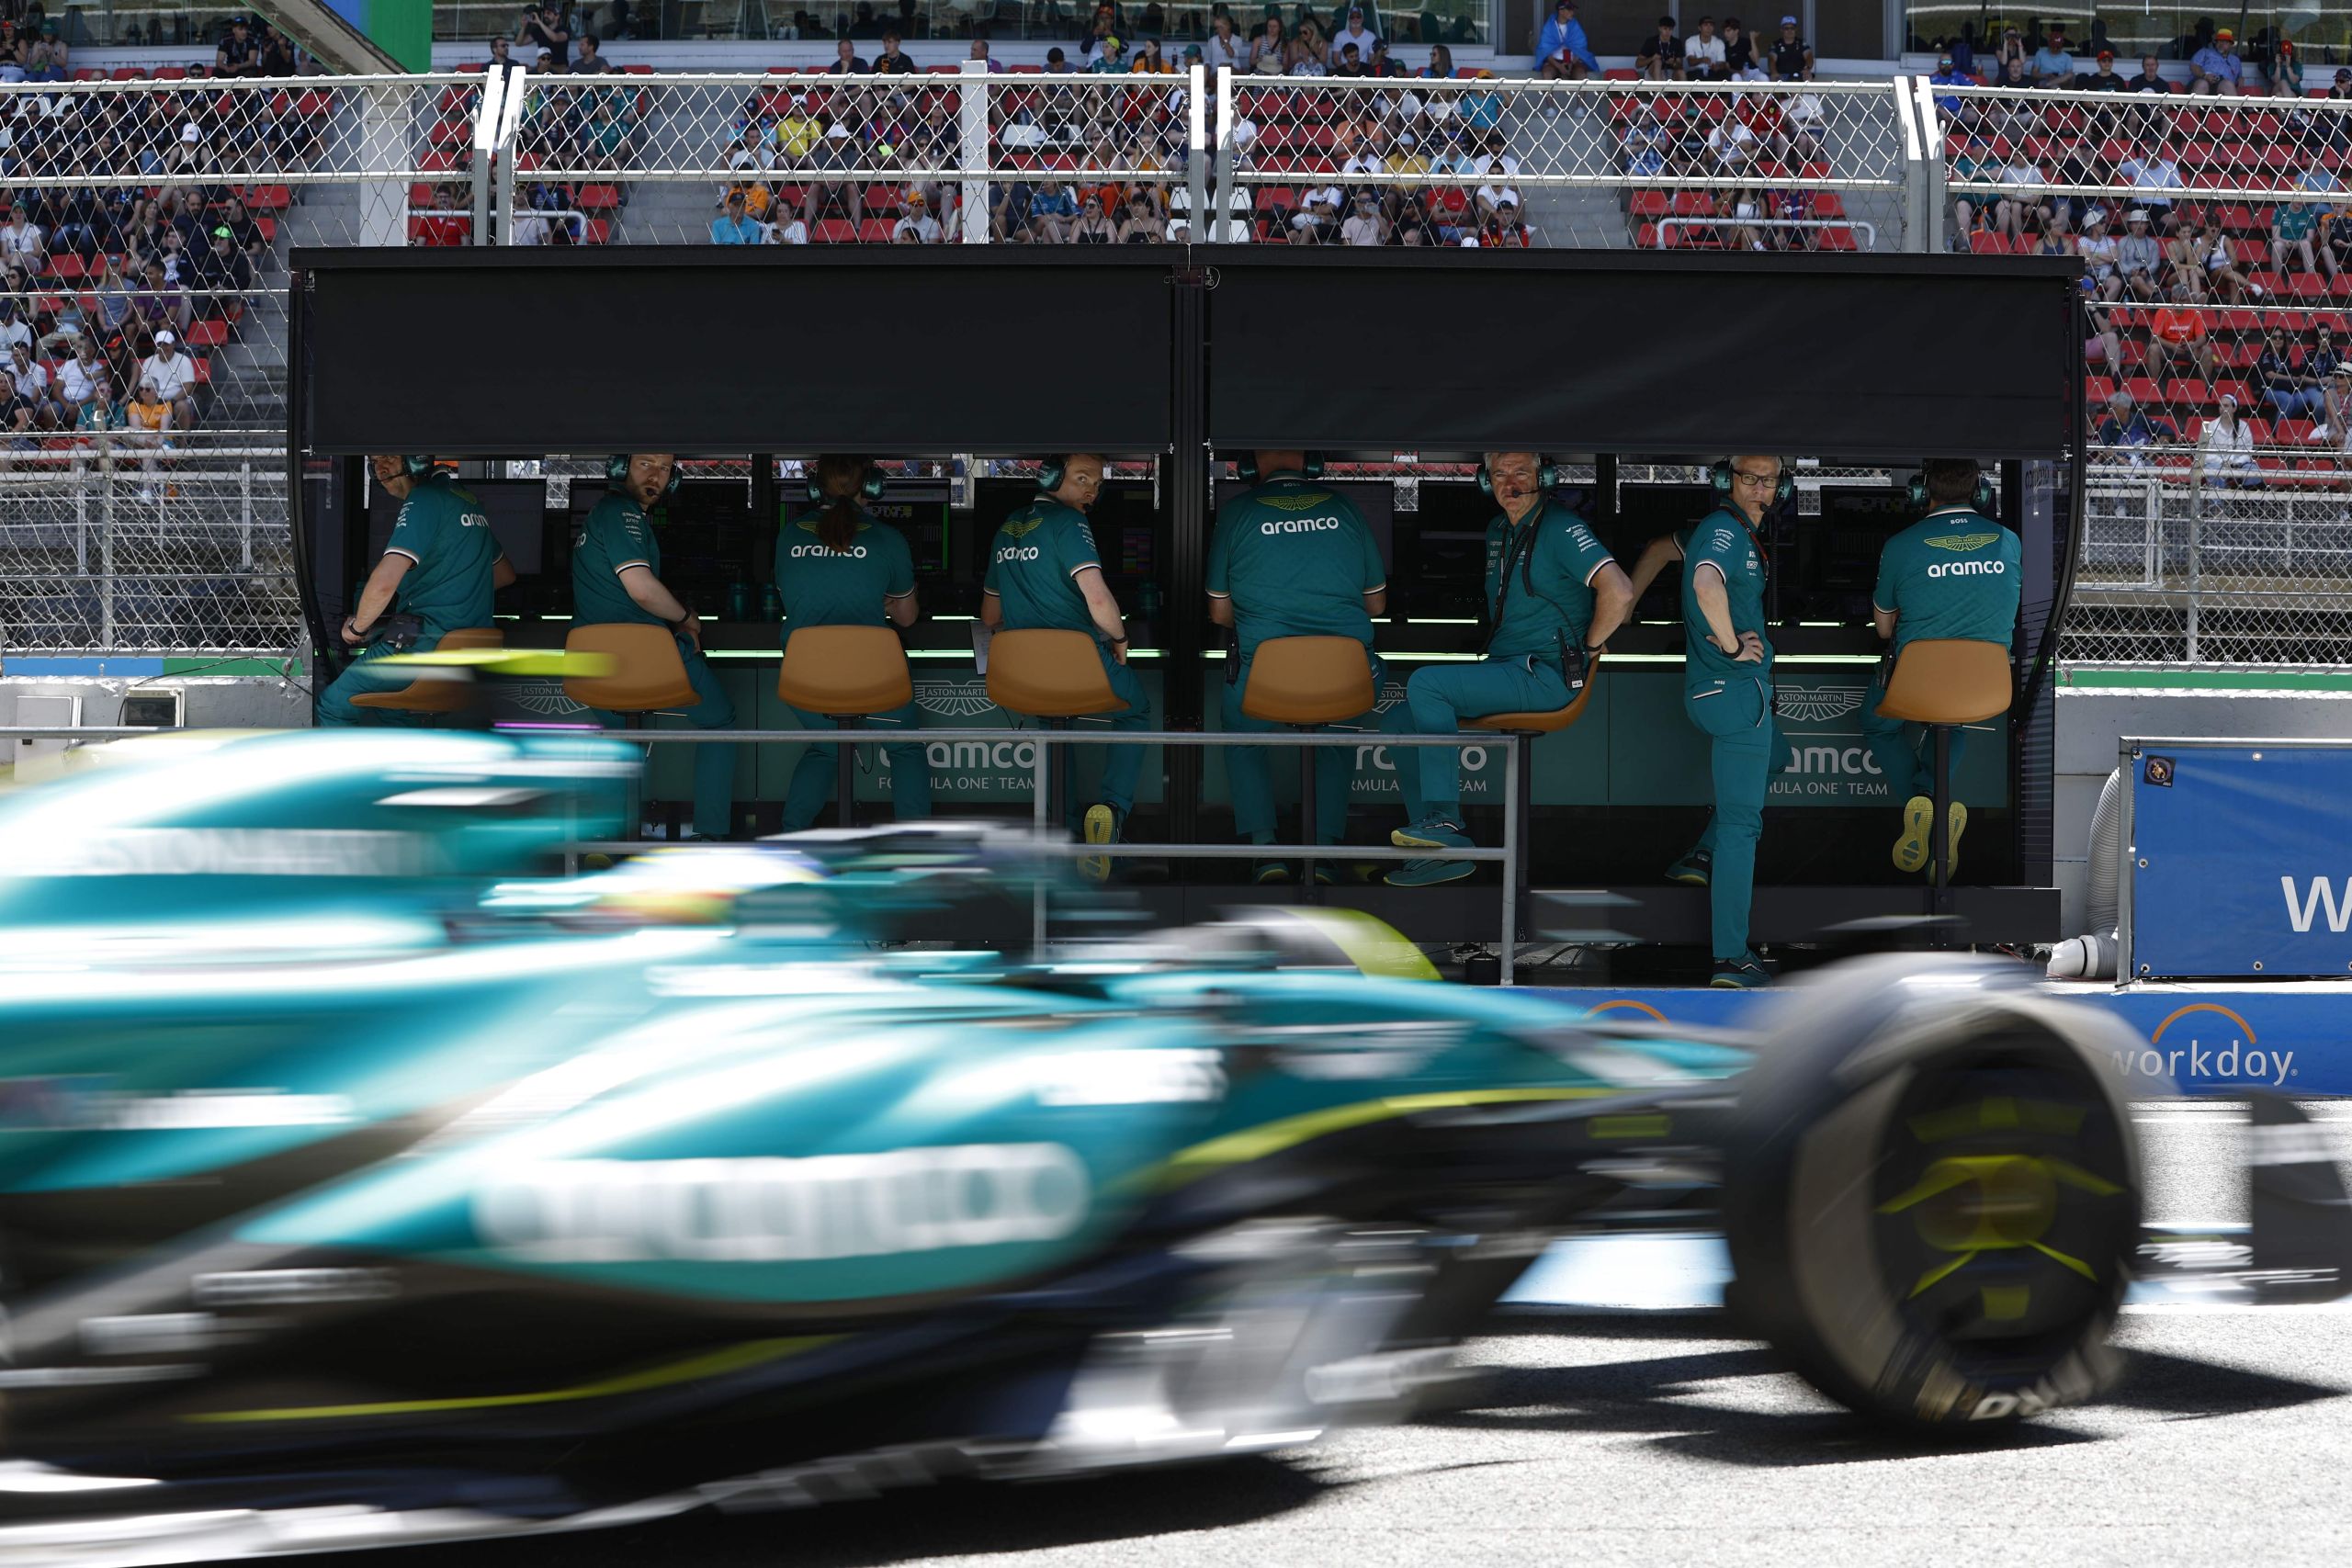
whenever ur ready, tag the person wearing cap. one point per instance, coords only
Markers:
(223, 275)
(238, 54)
(2335, 428)
(1553, 595)
(174, 375)
(1792, 56)
(1110, 55)
(1660, 56)
(2216, 69)
(916, 220)
(1289, 557)
(442, 565)
(1356, 32)
(2102, 77)
(1562, 51)
(2226, 444)
(2139, 255)
(2052, 64)
(2341, 88)
(1946, 74)
(1923, 591)
(736, 226)
(544, 31)
(1703, 53)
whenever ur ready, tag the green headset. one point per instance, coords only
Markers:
(1246, 469)
(616, 471)
(1983, 501)
(868, 489)
(1719, 476)
(1547, 476)
(417, 464)
(1052, 471)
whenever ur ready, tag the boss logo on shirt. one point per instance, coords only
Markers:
(1018, 552)
(1968, 569)
(1299, 526)
(855, 551)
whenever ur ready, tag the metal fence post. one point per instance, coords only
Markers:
(1934, 191)
(1222, 202)
(1914, 164)
(106, 569)
(1199, 147)
(2196, 574)
(972, 146)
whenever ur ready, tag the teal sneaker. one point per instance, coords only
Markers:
(1269, 873)
(1432, 833)
(1693, 870)
(1430, 872)
(1741, 974)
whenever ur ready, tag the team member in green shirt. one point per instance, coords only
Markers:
(841, 566)
(441, 565)
(1955, 573)
(1044, 573)
(1554, 594)
(616, 576)
(1290, 558)
(1727, 691)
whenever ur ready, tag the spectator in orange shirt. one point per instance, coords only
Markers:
(2177, 338)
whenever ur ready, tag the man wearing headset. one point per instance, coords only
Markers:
(1291, 558)
(1727, 691)
(441, 566)
(616, 576)
(1044, 573)
(1954, 573)
(1554, 594)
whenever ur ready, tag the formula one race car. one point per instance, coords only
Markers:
(778, 1214)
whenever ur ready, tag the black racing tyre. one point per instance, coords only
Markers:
(1932, 1193)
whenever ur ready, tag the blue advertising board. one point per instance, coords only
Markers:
(2239, 864)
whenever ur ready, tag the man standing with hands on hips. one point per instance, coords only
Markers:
(1953, 574)
(1727, 691)
(1553, 595)
(616, 576)
(1044, 573)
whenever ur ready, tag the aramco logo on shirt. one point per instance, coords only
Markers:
(856, 552)
(1299, 526)
(1968, 569)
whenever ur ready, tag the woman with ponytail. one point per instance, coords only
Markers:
(838, 564)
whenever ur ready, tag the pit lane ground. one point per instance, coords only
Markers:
(1631, 1430)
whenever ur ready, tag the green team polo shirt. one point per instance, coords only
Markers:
(443, 529)
(1560, 565)
(1954, 573)
(1033, 566)
(824, 587)
(1296, 560)
(1723, 541)
(615, 536)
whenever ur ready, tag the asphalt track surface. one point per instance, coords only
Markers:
(1601, 1436)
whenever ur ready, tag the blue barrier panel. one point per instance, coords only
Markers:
(2294, 1038)
(2239, 863)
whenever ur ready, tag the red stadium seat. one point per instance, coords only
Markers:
(2187, 394)
(2145, 392)
(833, 231)
(2098, 389)
(208, 334)
(597, 197)
(1647, 204)
(875, 231)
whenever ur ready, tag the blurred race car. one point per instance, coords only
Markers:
(816, 1219)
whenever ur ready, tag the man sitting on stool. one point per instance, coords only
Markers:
(1554, 594)
(616, 576)
(441, 565)
(1291, 558)
(1955, 574)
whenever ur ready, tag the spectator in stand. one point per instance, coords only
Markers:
(2103, 347)
(1142, 225)
(2282, 379)
(1562, 51)
(2226, 444)
(49, 60)
(2336, 242)
(1509, 228)
(1703, 53)
(1269, 49)
(1349, 64)
(1317, 217)
(1972, 165)
(2012, 48)
(2325, 355)
(2292, 223)
(17, 419)
(2153, 169)
(33, 385)
(736, 226)
(1357, 33)
(2103, 77)
(2138, 256)
(2230, 286)
(892, 61)
(443, 225)
(2018, 208)
(1740, 53)
(2128, 425)
(979, 51)
(1661, 59)
(2052, 64)
(1052, 211)
(173, 374)
(2216, 69)
(2184, 261)
(847, 62)
(224, 275)
(592, 61)
(238, 54)
(2178, 341)
(1948, 75)
(148, 424)
(1441, 65)
(1365, 225)
(1310, 52)
(1225, 49)
(501, 59)
(787, 230)
(1386, 63)
(544, 29)
(2335, 429)
(101, 415)
(82, 377)
(1792, 56)
(2151, 78)
(160, 304)
(22, 244)
(915, 220)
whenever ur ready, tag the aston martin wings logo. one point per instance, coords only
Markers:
(1022, 528)
(1960, 543)
(1817, 704)
(1307, 502)
(546, 699)
(954, 699)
